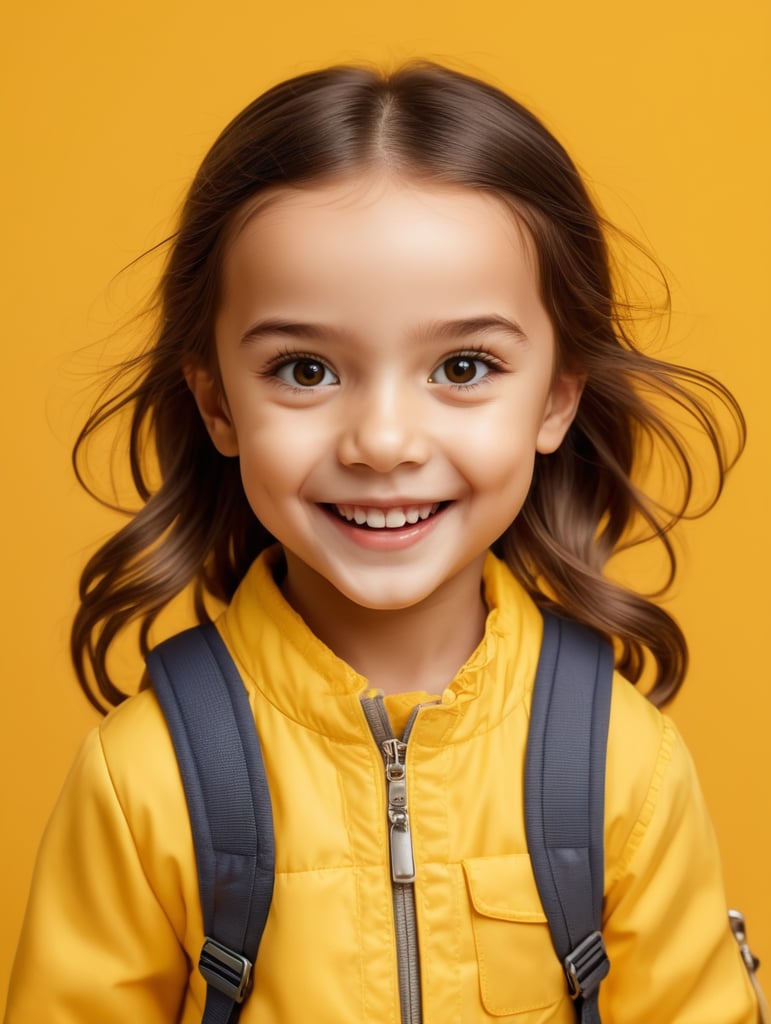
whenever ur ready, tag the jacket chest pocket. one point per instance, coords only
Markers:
(518, 969)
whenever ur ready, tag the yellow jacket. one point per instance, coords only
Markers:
(113, 928)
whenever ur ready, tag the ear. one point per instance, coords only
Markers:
(213, 408)
(561, 408)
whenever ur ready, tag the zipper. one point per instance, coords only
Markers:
(394, 754)
(402, 858)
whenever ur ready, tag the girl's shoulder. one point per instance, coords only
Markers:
(637, 728)
(127, 767)
(650, 776)
(137, 750)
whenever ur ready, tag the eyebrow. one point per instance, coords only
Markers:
(474, 325)
(457, 328)
(291, 328)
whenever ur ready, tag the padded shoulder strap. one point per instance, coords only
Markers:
(565, 799)
(220, 761)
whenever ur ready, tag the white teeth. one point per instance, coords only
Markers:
(391, 518)
(394, 518)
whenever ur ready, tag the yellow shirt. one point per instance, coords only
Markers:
(113, 928)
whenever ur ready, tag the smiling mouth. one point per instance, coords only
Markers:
(394, 518)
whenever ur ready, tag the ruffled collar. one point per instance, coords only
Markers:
(283, 662)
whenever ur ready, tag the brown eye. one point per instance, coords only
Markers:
(461, 370)
(306, 373)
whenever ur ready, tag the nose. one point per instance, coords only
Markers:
(385, 427)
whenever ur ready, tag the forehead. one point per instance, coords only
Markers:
(379, 236)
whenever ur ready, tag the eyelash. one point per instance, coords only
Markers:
(286, 358)
(479, 355)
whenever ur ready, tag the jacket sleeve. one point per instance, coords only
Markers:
(97, 945)
(673, 957)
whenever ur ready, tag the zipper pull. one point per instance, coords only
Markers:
(402, 859)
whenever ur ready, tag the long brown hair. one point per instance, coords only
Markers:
(196, 526)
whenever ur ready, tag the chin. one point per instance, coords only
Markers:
(383, 602)
(384, 595)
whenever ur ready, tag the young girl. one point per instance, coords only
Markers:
(396, 410)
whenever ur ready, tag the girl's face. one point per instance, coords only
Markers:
(389, 374)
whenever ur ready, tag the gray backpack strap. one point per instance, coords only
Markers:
(565, 800)
(220, 761)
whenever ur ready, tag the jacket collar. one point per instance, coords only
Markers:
(283, 661)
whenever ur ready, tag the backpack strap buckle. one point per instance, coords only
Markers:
(586, 966)
(225, 970)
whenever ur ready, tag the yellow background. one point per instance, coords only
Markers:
(108, 110)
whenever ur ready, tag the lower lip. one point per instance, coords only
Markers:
(385, 539)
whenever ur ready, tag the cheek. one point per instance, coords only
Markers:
(279, 458)
(499, 449)
(503, 472)
(269, 470)
(266, 462)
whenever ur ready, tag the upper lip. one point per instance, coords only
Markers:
(385, 504)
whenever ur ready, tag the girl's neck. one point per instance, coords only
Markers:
(417, 648)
